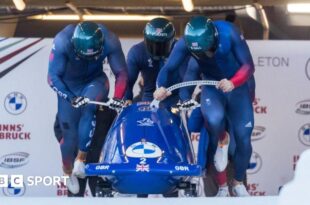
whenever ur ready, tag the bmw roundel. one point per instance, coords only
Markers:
(15, 103)
(255, 164)
(143, 150)
(304, 134)
(11, 191)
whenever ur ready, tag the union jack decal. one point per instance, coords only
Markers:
(159, 30)
(143, 168)
(195, 44)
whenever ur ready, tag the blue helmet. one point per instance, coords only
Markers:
(159, 37)
(201, 36)
(88, 40)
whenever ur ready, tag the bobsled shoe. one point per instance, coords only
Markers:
(223, 192)
(221, 155)
(240, 190)
(72, 184)
(79, 169)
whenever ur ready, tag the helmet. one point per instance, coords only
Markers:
(158, 37)
(88, 40)
(201, 36)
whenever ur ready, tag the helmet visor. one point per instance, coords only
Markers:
(159, 50)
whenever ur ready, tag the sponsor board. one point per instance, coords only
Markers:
(303, 107)
(259, 107)
(13, 191)
(304, 134)
(15, 103)
(255, 164)
(14, 160)
(258, 133)
(14, 132)
(254, 190)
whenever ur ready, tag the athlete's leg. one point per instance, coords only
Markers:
(240, 113)
(68, 118)
(96, 90)
(213, 110)
(57, 130)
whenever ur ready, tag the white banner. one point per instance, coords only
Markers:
(28, 107)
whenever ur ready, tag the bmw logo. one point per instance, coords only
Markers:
(255, 164)
(304, 134)
(15, 103)
(307, 70)
(14, 191)
(143, 150)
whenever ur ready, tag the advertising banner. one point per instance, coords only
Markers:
(28, 145)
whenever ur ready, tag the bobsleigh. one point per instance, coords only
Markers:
(146, 151)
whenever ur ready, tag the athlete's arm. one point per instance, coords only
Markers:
(118, 65)
(178, 54)
(56, 69)
(133, 72)
(192, 73)
(244, 57)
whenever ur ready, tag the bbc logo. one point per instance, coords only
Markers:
(12, 180)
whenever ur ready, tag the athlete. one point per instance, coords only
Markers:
(216, 180)
(220, 53)
(76, 74)
(149, 56)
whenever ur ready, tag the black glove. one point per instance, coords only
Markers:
(188, 105)
(79, 101)
(116, 104)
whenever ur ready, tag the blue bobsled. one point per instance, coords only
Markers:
(146, 152)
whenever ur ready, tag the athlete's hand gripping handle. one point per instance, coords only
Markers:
(79, 101)
(188, 105)
(113, 103)
(155, 102)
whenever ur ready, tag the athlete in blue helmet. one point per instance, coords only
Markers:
(76, 74)
(220, 53)
(149, 56)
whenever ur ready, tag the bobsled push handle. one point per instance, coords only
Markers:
(107, 104)
(111, 103)
(155, 103)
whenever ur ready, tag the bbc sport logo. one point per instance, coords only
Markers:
(19, 181)
(15, 103)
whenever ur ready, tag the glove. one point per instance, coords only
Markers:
(127, 103)
(225, 85)
(79, 101)
(161, 93)
(188, 105)
(116, 104)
